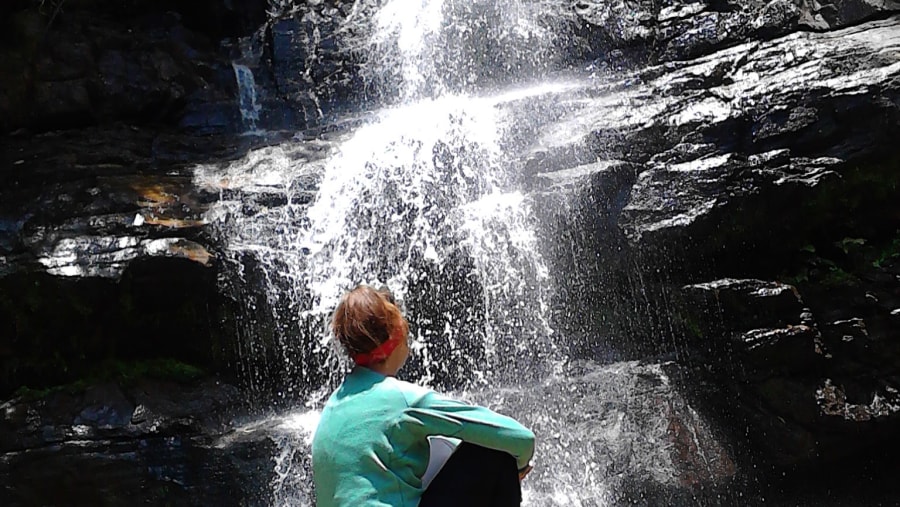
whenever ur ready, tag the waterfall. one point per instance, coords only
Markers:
(428, 198)
(422, 199)
(247, 99)
(427, 48)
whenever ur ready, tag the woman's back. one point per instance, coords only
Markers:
(371, 445)
(357, 458)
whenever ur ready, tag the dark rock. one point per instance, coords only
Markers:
(668, 31)
(776, 365)
(86, 447)
(63, 102)
(206, 117)
(740, 304)
(91, 64)
(723, 136)
(313, 73)
(102, 209)
(147, 407)
(158, 308)
(769, 331)
(106, 408)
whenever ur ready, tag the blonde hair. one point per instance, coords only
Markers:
(366, 318)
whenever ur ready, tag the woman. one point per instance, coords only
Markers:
(371, 447)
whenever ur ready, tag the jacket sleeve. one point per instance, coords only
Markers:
(431, 414)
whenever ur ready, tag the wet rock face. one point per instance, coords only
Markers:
(823, 392)
(158, 440)
(102, 259)
(667, 31)
(764, 160)
(74, 64)
(755, 231)
(782, 118)
(312, 71)
(640, 436)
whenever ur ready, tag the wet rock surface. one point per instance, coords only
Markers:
(649, 30)
(753, 234)
(625, 425)
(778, 117)
(157, 440)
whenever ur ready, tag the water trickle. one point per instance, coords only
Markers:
(247, 99)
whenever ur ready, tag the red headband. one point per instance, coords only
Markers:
(379, 353)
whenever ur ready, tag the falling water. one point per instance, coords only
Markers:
(427, 197)
(427, 48)
(423, 200)
(247, 99)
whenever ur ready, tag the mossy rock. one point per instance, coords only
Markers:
(123, 373)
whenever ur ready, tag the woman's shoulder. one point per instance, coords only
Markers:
(411, 392)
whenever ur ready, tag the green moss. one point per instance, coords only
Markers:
(685, 320)
(852, 259)
(29, 394)
(837, 277)
(795, 279)
(124, 373)
(849, 244)
(165, 369)
(891, 251)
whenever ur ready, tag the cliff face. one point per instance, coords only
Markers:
(749, 198)
(725, 196)
(74, 63)
(96, 100)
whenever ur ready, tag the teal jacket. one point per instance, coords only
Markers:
(371, 448)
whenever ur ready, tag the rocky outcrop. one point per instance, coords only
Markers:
(649, 30)
(743, 156)
(624, 425)
(160, 440)
(823, 390)
(754, 190)
(75, 64)
(85, 226)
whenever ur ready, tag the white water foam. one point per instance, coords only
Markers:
(422, 49)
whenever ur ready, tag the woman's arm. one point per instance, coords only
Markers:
(430, 413)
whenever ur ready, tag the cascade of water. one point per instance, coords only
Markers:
(247, 99)
(425, 199)
(421, 199)
(426, 48)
